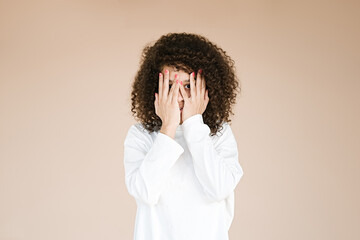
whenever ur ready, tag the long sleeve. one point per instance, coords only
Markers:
(147, 163)
(216, 162)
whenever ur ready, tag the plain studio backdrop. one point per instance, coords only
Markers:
(66, 69)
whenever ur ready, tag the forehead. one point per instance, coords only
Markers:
(183, 76)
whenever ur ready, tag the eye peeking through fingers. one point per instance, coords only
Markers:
(185, 86)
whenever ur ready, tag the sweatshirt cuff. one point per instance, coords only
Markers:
(197, 118)
(195, 129)
(163, 154)
(171, 146)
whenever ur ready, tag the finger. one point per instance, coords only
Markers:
(184, 93)
(207, 99)
(160, 85)
(203, 87)
(166, 84)
(156, 102)
(176, 89)
(192, 84)
(207, 95)
(198, 83)
(171, 92)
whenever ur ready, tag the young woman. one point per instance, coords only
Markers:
(181, 158)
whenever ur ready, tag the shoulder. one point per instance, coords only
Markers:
(137, 129)
(137, 135)
(224, 130)
(225, 134)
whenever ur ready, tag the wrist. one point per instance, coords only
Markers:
(168, 130)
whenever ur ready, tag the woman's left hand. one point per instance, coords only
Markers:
(197, 102)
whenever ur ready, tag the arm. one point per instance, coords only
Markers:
(147, 163)
(216, 163)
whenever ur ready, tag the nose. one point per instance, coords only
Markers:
(180, 97)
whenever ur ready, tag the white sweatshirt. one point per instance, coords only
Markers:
(183, 187)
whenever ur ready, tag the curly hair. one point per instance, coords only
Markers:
(188, 52)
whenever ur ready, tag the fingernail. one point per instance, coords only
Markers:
(175, 76)
(181, 82)
(200, 71)
(160, 74)
(177, 81)
(193, 74)
(166, 71)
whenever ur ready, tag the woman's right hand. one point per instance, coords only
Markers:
(166, 104)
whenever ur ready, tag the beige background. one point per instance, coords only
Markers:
(65, 74)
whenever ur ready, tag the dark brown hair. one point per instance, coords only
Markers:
(187, 52)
